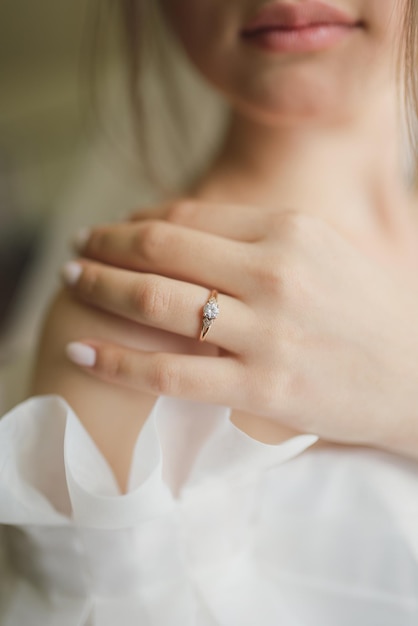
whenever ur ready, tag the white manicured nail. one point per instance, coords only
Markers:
(81, 354)
(71, 272)
(81, 238)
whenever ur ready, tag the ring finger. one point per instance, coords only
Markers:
(160, 302)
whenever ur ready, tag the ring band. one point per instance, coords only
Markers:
(210, 313)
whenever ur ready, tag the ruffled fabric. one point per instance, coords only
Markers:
(216, 528)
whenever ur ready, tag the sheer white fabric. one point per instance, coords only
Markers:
(216, 529)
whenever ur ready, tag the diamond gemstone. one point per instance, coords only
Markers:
(211, 309)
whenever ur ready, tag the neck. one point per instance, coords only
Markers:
(350, 174)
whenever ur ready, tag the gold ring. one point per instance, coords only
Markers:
(210, 313)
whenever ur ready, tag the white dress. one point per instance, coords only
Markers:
(216, 529)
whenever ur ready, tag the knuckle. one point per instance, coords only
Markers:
(295, 393)
(150, 300)
(136, 215)
(264, 393)
(297, 285)
(276, 390)
(269, 276)
(112, 363)
(150, 240)
(293, 386)
(88, 283)
(97, 241)
(304, 290)
(275, 222)
(293, 339)
(281, 278)
(164, 376)
(291, 282)
(293, 224)
(180, 212)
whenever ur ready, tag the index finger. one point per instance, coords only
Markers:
(233, 221)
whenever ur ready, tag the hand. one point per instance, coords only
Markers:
(312, 332)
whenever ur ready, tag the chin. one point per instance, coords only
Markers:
(300, 105)
(300, 93)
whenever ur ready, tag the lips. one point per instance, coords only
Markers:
(285, 16)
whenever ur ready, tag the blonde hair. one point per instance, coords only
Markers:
(176, 134)
(407, 69)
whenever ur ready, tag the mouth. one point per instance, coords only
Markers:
(284, 27)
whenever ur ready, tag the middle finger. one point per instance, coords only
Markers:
(172, 250)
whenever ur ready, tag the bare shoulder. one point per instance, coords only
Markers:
(113, 416)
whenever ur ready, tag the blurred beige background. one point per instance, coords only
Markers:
(44, 126)
(41, 106)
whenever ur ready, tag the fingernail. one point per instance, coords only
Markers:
(81, 238)
(81, 354)
(71, 272)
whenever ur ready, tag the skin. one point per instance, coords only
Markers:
(309, 196)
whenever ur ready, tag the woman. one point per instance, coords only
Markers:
(186, 511)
